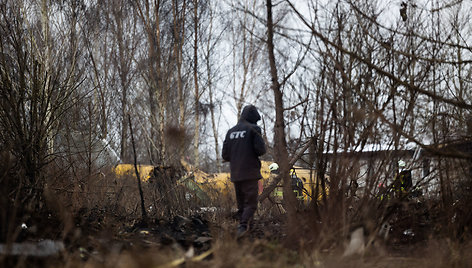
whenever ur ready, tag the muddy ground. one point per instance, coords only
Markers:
(102, 239)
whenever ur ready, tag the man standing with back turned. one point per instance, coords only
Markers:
(242, 147)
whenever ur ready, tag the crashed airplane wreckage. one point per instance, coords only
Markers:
(209, 186)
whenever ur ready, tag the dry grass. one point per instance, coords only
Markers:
(98, 218)
(229, 252)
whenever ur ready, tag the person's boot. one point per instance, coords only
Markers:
(242, 231)
(236, 215)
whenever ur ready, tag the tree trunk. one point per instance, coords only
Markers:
(155, 99)
(124, 89)
(280, 144)
(195, 80)
(179, 36)
(47, 66)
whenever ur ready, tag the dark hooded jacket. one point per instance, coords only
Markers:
(243, 145)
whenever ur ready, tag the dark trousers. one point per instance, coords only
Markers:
(246, 198)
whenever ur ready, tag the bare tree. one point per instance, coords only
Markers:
(214, 37)
(149, 14)
(123, 28)
(246, 48)
(36, 92)
(179, 36)
(196, 33)
(280, 144)
(384, 85)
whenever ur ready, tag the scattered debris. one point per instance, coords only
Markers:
(43, 248)
(188, 256)
(408, 232)
(356, 244)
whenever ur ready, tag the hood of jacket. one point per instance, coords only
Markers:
(250, 114)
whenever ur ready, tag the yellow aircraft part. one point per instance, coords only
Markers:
(220, 182)
(215, 184)
(128, 170)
